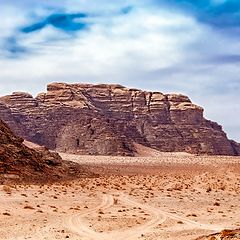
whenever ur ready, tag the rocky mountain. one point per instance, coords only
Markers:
(20, 163)
(109, 119)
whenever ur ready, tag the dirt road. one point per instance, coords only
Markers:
(157, 217)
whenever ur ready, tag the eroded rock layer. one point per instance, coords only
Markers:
(108, 119)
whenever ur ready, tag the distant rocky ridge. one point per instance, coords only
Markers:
(22, 164)
(108, 119)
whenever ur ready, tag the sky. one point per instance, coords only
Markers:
(172, 46)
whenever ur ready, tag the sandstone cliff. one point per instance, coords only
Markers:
(108, 119)
(20, 163)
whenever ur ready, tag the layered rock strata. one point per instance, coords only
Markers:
(108, 119)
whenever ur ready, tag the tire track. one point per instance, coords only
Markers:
(159, 216)
(176, 217)
(76, 225)
(143, 228)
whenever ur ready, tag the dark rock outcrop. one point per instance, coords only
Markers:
(22, 164)
(108, 119)
(223, 235)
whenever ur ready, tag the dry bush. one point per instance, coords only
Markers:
(100, 211)
(191, 215)
(115, 201)
(28, 207)
(6, 214)
(209, 189)
(7, 189)
(180, 222)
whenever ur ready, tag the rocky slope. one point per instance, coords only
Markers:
(109, 119)
(224, 235)
(20, 163)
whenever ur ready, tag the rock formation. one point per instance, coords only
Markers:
(20, 163)
(223, 235)
(108, 119)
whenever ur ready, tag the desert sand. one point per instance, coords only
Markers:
(159, 196)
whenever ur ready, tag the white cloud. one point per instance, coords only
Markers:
(10, 20)
(113, 46)
(147, 48)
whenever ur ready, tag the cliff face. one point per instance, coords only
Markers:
(107, 119)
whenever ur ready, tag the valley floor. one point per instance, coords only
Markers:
(176, 197)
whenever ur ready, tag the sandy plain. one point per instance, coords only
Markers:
(154, 196)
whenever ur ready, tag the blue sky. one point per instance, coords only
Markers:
(185, 46)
